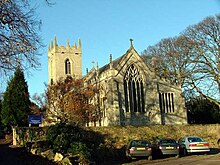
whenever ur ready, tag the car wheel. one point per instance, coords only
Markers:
(185, 152)
(150, 158)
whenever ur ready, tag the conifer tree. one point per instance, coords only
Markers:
(16, 103)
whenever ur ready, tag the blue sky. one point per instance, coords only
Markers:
(105, 27)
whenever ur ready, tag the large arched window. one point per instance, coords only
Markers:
(67, 67)
(133, 90)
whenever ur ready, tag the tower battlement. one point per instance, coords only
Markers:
(54, 47)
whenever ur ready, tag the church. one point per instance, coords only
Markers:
(130, 93)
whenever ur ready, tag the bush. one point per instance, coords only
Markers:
(61, 135)
(79, 148)
(61, 143)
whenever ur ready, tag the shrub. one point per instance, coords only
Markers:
(61, 135)
(79, 148)
(61, 143)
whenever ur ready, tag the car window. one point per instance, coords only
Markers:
(195, 139)
(133, 143)
(139, 143)
(168, 141)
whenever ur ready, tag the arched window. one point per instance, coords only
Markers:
(67, 67)
(133, 90)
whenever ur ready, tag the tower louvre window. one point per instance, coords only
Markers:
(67, 67)
(133, 90)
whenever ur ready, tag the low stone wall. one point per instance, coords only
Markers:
(22, 135)
(211, 132)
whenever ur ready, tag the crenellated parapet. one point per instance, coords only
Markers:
(54, 47)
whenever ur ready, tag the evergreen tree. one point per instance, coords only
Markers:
(16, 103)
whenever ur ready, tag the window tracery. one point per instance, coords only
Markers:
(133, 90)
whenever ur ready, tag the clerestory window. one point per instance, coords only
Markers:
(133, 90)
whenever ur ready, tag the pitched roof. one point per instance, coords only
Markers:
(107, 66)
(116, 61)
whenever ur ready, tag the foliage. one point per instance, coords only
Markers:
(19, 41)
(16, 103)
(68, 100)
(79, 148)
(191, 59)
(202, 111)
(74, 140)
(61, 135)
(24, 135)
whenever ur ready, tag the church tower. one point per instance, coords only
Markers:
(64, 61)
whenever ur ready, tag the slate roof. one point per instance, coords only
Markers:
(115, 63)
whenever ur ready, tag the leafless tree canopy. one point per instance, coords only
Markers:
(169, 58)
(191, 59)
(19, 37)
(205, 57)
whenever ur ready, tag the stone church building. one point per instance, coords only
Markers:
(130, 93)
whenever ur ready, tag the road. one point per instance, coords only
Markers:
(210, 159)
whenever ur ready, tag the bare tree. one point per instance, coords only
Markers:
(19, 38)
(39, 103)
(169, 59)
(192, 59)
(204, 38)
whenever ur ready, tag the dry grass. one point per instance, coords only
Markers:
(119, 136)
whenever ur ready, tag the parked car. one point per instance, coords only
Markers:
(193, 144)
(166, 146)
(138, 149)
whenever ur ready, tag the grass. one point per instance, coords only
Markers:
(119, 136)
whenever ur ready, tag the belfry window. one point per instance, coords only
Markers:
(133, 90)
(67, 67)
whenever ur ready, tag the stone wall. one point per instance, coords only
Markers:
(23, 135)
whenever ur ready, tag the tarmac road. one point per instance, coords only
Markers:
(211, 159)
